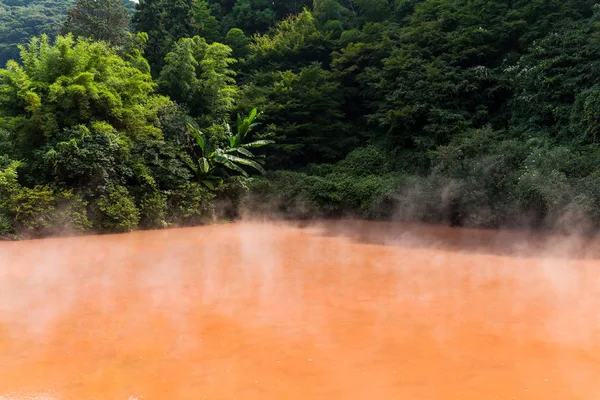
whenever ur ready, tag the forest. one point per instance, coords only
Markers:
(116, 116)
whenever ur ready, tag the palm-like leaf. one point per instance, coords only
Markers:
(257, 143)
(241, 150)
(252, 115)
(245, 152)
(209, 184)
(239, 122)
(234, 157)
(245, 125)
(245, 161)
(204, 165)
(212, 182)
(222, 159)
(198, 136)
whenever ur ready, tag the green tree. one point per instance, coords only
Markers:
(303, 113)
(554, 83)
(373, 10)
(99, 19)
(332, 10)
(251, 16)
(119, 210)
(198, 75)
(292, 44)
(285, 8)
(70, 83)
(22, 20)
(238, 41)
(73, 112)
(208, 26)
(165, 21)
(257, 10)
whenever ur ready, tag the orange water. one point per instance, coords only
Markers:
(342, 310)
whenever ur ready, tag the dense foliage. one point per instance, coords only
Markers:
(20, 20)
(106, 20)
(482, 113)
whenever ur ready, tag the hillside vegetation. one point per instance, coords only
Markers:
(468, 112)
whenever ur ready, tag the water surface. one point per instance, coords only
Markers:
(344, 310)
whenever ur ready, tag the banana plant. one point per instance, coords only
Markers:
(234, 156)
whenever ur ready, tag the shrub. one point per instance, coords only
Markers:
(70, 213)
(153, 210)
(480, 179)
(9, 186)
(335, 194)
(362, 162)
(5, 225)
(282, 194)
(231, 195)
(473, 179)
(589, 187)
(39, 210)
(356, 186)
(118, 210)
(81, 156)
(32, 209)
(191, 205)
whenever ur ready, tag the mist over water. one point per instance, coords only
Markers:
(333, 310)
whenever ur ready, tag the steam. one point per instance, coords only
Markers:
(344, 292)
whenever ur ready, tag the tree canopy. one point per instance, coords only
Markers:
(481, 113)
(22, 20)
(100, 20)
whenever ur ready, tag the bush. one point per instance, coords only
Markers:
(32, 209)
(480, 179)
(39, 210)
(191, 205)
(472, 180)
(5, 225)
(118, 210)
(231, 196)
(281, 194)
(70, 213)
(153, 210)
(9, 185)
(589, 188)
(348, 188)
(362, 162)
(85, 157)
